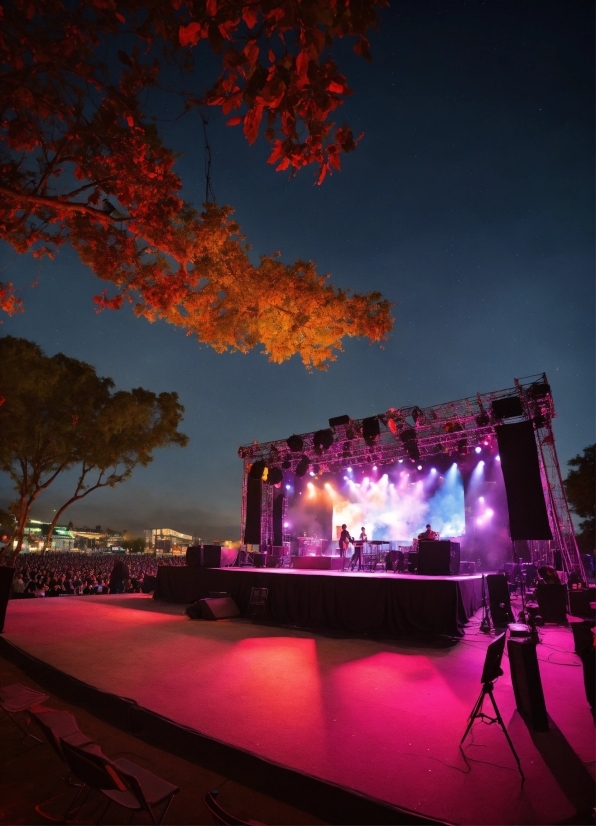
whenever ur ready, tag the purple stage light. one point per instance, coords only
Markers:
(374, 467)
(498, 458)
(288, 487)
(419, 467)
(478, 449)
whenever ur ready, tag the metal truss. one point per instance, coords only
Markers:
(453, 428)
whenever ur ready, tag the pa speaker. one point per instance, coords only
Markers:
(336, 421)
(499, 600)
(438, 557)
(211, 556)
(527, 685)
(508, 407)
(252, 527)
(528, 518)
(194, 556)
(222, 608)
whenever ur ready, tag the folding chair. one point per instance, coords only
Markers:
(16, 699)
(121, 781)
(57, 725)
(223, 818)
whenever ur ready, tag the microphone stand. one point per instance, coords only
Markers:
(485, 627)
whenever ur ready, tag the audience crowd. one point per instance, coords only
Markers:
(55, 574)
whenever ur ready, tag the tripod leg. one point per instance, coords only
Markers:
(475, 713)
(505, 732)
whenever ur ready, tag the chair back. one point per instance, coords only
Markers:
(221, 817)
(92, 768)
(48, 733)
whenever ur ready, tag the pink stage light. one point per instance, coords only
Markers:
(478, 449)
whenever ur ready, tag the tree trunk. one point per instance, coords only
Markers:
(6, 578)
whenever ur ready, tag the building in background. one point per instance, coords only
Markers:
(167, 541)
(63, 539)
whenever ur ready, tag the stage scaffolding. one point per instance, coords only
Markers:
(452, 428)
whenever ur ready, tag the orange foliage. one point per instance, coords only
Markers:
(82, 161)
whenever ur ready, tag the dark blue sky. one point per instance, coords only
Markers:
(469, 203)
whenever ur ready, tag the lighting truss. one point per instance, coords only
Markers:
(454, 428)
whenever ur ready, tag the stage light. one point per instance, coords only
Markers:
(295, 443)
(302, 466)
(349, 470)
(419, 467)
(481, 498)
(489, 512)
(323, 439)
(481, 463)
(400, 461)
(275, 476)
(482, 419)
(286, 524)
(257, 470)
(339, 420)
(288, 487)
(375, 467)
(498, 458)
(478, 450)
(346, 479)
(312, 473)
(371, 429)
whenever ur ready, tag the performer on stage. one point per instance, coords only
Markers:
(358, 550)
(428, 534)
(344, 542)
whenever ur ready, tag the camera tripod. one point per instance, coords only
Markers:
(477, 714)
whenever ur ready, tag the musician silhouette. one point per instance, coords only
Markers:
(357, 555)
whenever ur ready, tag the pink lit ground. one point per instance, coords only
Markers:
(381, 718)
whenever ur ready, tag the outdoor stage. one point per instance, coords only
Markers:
(381, 721)
(387, 604)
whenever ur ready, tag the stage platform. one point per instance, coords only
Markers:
(378, 721)
(384, 604)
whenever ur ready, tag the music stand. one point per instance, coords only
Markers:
(492, 671)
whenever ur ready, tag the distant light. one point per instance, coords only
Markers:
(346, 479)
(486, 442)
(481, 463)
(312, 473)
(489, 512)
(286, 524)
(288, 487)
(481, 498)
(349, 470)
(400, 461)
(498, 458)
(433, 470)
(419, 467)
(374, 467)
(478, 449)
(310, 485)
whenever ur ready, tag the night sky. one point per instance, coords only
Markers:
(469, 203)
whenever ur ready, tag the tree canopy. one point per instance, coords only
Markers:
(82, 160)
(580, 486)
(57, 414)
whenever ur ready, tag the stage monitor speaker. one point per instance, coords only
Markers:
(211, 556)
(194, 556)
(413, 562)
(527, 685)
(552, 602)
(252, 527)
(438, 557)
(528, 518)
(499, 600)
(222, 608)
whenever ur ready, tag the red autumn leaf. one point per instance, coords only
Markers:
(252, 122)
(250, 17)
(189, 35)
(271, 56)
(251, 51)
(302, 62)
(234, 121)
(130, 121)
(322, 173)
(335, 87)
(120, 17)
(212, 7)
